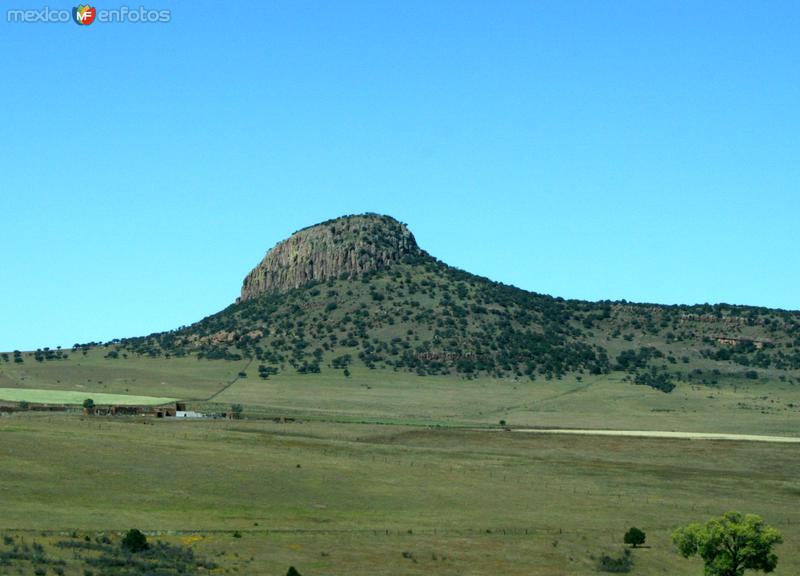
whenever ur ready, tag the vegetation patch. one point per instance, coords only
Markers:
(616, 565)
(131, 556)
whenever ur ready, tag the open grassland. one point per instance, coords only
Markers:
(93, 372)
(390, 473)
(600, 402)
(765, 406)
(73, 397)
(381, 499)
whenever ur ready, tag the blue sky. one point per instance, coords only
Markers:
(640, 150)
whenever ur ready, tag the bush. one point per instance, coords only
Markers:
(616, 565)
(293, 572)
(658, 380)
(134, 541)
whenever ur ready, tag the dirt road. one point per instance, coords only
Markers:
(663, 434)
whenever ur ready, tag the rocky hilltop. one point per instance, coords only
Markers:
(346, 247)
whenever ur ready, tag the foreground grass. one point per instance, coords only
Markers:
(364, 499)
(390, 473)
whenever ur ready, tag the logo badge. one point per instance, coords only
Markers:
(84, 15)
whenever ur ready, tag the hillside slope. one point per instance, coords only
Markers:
(358, 290)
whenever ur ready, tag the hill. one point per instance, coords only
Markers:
(395, 414)
(358, 291)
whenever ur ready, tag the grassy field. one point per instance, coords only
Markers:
(174, 377)
(765, 406)
(390, 473)
(74, 397)
(380, 499)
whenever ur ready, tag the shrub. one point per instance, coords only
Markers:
(616, 565)
(134, 541)
(658, 380)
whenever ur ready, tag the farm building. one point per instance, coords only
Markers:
(114, 410)
(35, 408)
(165, 411)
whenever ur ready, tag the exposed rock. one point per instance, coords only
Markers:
(345, 247)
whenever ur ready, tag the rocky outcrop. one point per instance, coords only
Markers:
(346, 247)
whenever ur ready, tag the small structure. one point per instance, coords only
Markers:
(187, 414)
(113, 410)
(165, 412)
(126, 410)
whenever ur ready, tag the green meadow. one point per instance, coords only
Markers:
(383, 499)
(764, 406)
(387, 473)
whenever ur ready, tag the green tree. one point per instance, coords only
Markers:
(134, 541)
(730, 544)
(237, 409)
(88, 403)
(292, 571)
(635, 537)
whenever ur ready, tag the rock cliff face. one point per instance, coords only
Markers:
(345, 247)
